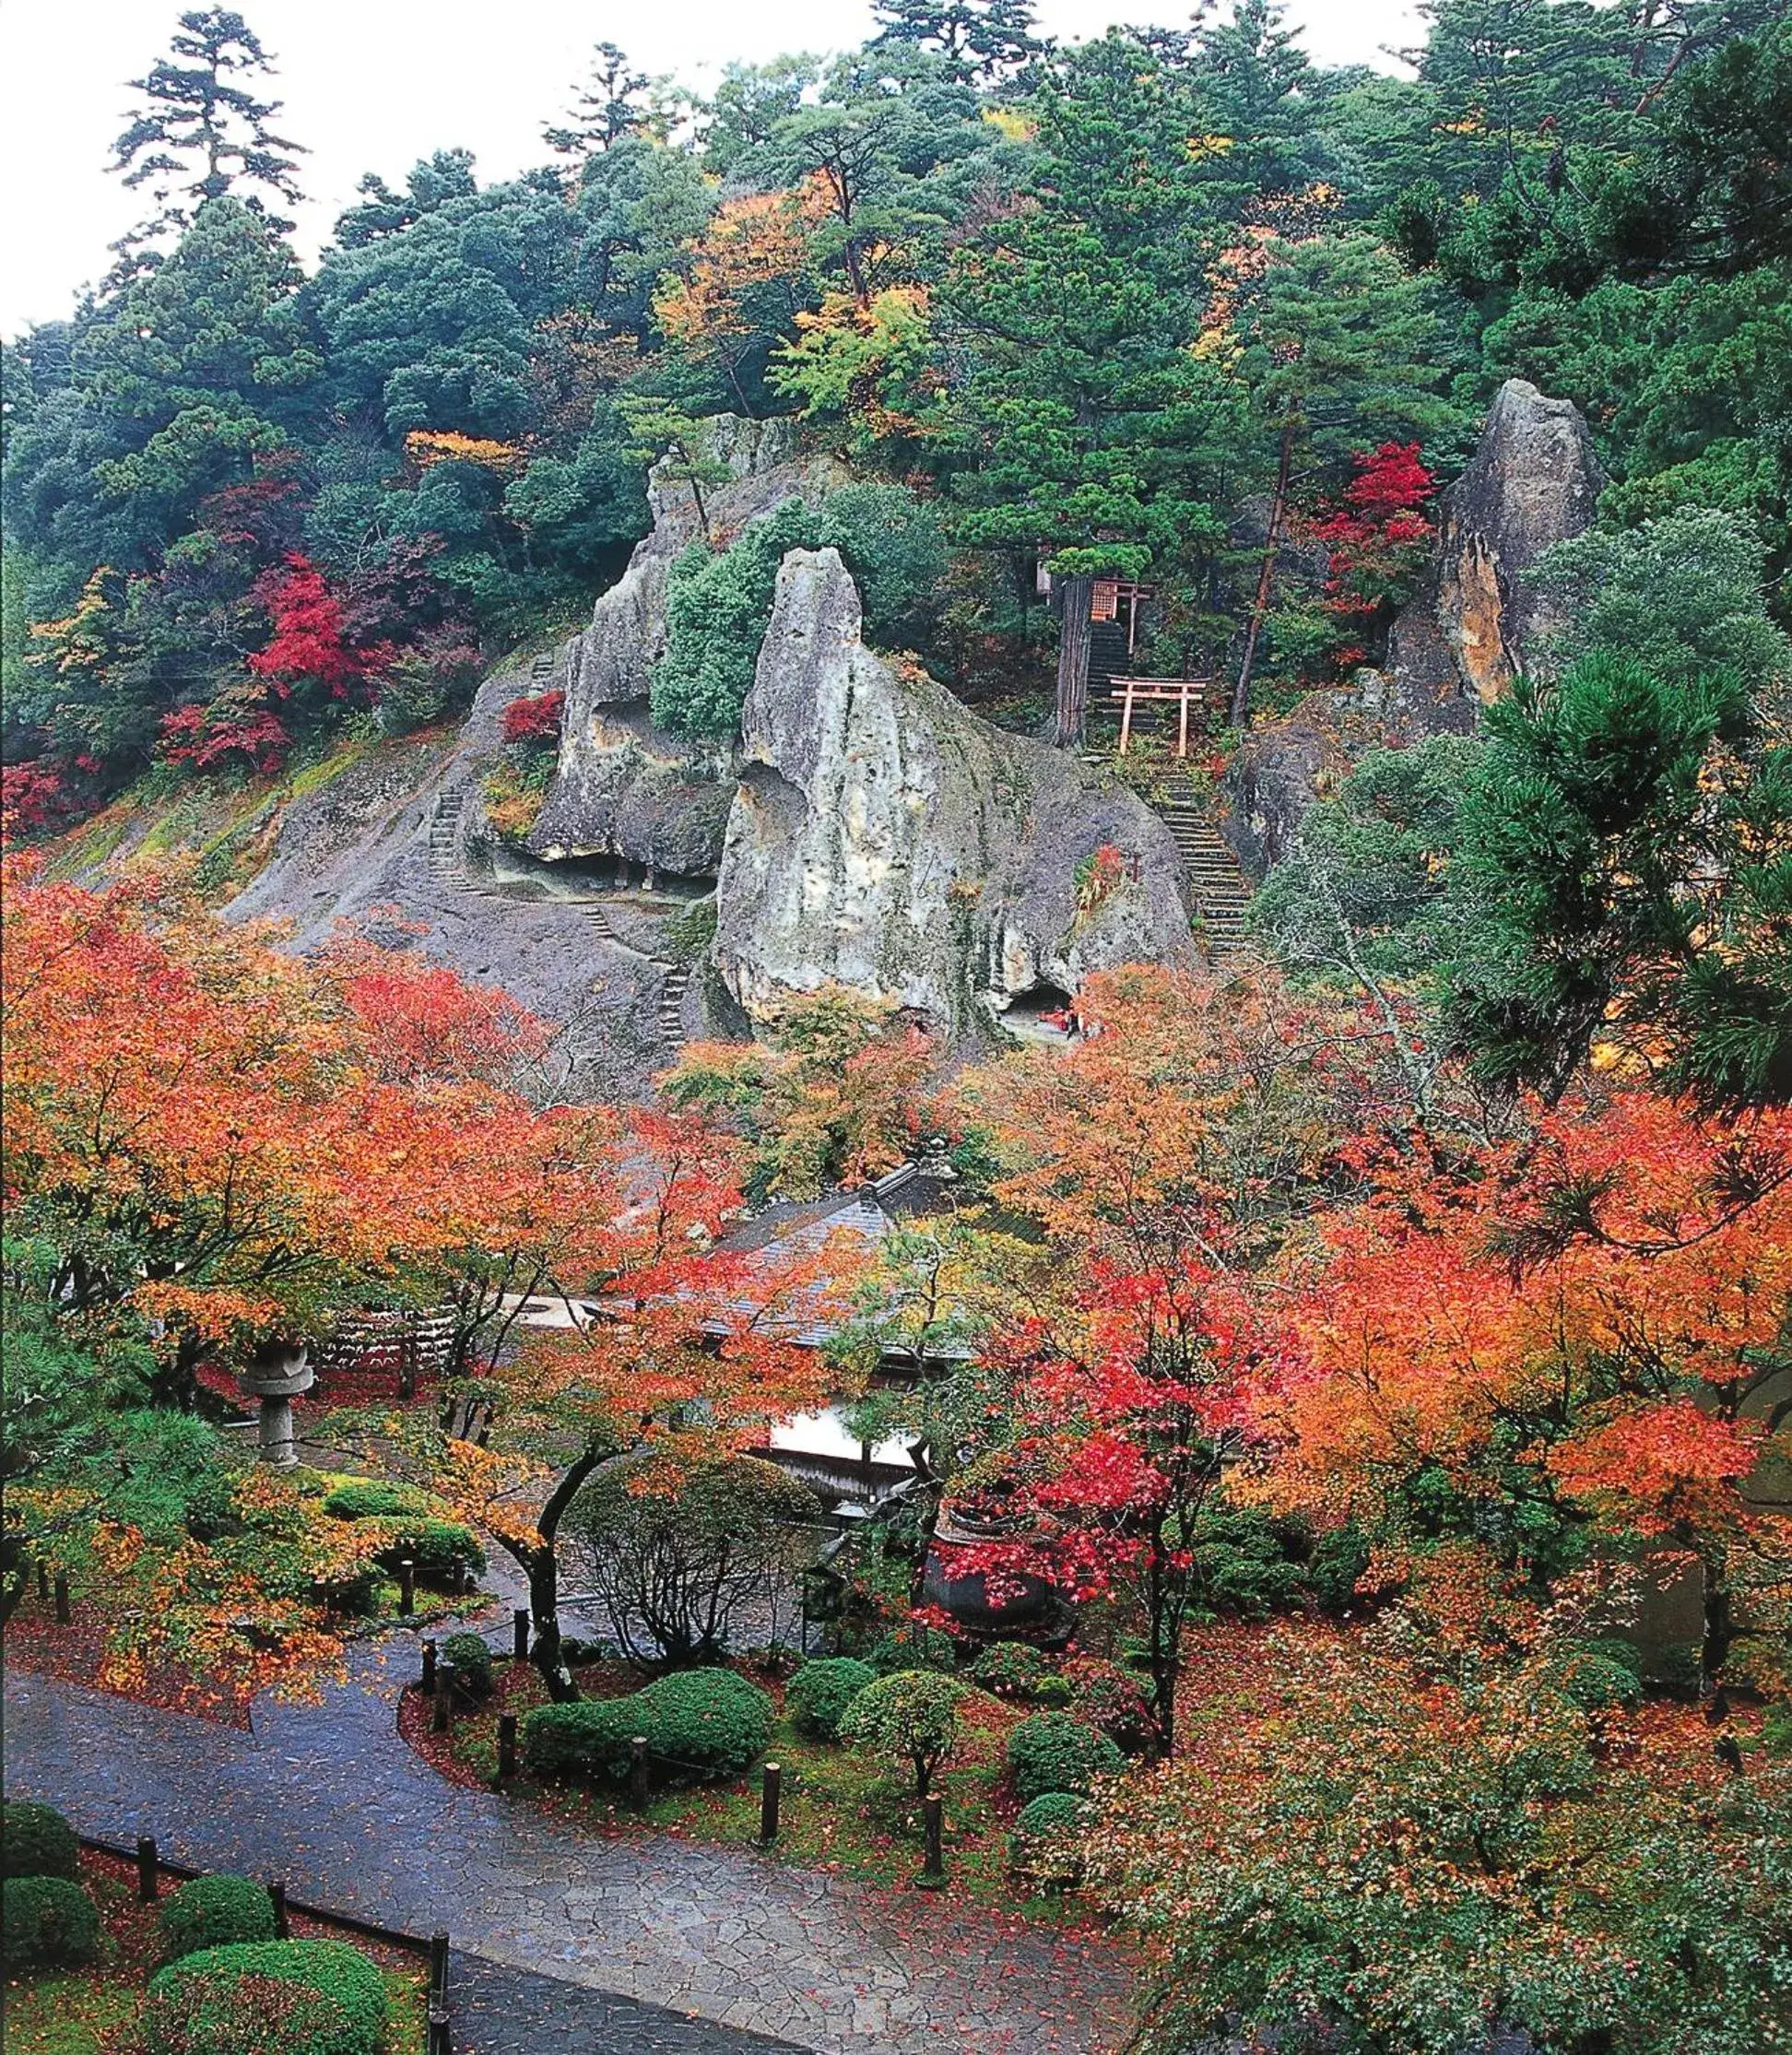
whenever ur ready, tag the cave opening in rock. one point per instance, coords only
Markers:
(1044, 1012)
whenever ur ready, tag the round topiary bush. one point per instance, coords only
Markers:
(467, 1656)
(820, 1691)
(1051, 1752)
(352, 2021)
(1044, 1844)
(704, 1722)
(910, 1717)
(47, 1923)
(1011, 1669)
(36, 1841)
(1053, 1812)
(374, 1499)
(212, 1912)
(248, 2014)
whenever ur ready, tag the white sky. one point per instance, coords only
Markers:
(373, 85)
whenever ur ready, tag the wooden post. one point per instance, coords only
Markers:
(439, 1714)
(148, 1869)
(934, 1812)
(429, 1679)
(282, 1925)
(64, 1615)
(1126, 717)
(506, 1745)
(438, 2041)
(438, 1964)
(520, 1633)
(770, 1779)
(638, 1772)
(1182, 725)
(1073, 660)
(406, 1586)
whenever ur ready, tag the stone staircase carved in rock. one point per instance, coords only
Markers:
(1217, 886)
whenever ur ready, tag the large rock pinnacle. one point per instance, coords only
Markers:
(884, 838)
(1534, 482)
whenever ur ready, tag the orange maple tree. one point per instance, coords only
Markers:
(1581, 1331)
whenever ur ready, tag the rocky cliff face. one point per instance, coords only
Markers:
(884, 838)
(1534, 481)
(625, 787)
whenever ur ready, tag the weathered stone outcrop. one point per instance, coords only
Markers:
(623, 787)
(884, 838)
(1534, 482)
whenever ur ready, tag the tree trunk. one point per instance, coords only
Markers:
(1241, 705)
(1719, 1618)
(541, 1561)
(1073, 662)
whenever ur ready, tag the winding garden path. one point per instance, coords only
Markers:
(328, 1799)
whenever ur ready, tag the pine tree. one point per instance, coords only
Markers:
(1096, 431)
(201, 135)
(979, 39)
(615, 104)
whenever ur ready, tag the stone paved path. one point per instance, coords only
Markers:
(500, 2010)
(329, 1799)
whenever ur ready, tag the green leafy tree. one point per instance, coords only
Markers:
(1682, 594)
(911, 1716)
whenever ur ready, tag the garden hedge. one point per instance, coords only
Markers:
(212, 1912)
(47, 1923)
(36, 1841)
(707, 1723)
(1010, 1669)
(1051, 1752)
(819, 1695)
(354, 2023)
(374, 1499)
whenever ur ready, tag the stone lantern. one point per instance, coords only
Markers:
(275, 1374)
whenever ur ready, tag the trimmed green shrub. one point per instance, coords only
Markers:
(438, 1548)
(1045, 1842)
(707, 1722)
(1051, 1752)
(912, 1647)
(467, 1656)
(1109, 1697)
(374, 1499)
(820, 1691)
(355, 2024)
(212, 1912)
(1050, 1814)
(47, 1922)
(1011, 1669)
(36, 1841)
(587, 1741)
(250, 2015)
(1056, 1692)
